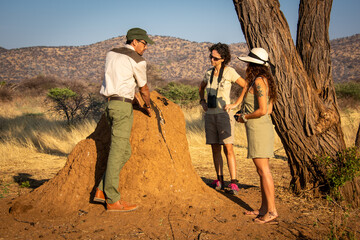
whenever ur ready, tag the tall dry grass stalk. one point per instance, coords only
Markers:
(350, 119)
(41, 135)
(30, 130)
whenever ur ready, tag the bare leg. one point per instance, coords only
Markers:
(217, 158)
(263, 207)
(267, 187)
(230, 156)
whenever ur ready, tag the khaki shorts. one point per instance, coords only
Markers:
(219, 128)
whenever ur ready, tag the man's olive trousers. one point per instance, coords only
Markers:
(120, 118)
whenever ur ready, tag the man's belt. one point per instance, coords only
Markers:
(120, 99)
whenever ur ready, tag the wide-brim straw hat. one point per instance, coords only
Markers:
(258, 56)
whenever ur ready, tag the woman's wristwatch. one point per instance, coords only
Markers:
(243, 118)
(202, 100)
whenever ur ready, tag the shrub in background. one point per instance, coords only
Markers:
(41, 83)
(345, 167)
(6, 92)
(180, 93)
(348, 90)
(74, 106)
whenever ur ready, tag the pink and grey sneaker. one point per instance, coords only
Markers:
(234, 189)
(217, 185)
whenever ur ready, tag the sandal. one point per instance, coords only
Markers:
(271, 217)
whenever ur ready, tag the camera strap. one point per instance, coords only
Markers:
(219, 77)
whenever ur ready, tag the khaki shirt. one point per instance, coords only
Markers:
(124, 70)
(223, 95)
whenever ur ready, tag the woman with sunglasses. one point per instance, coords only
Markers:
(219, 121)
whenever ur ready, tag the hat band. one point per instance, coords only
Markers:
(256, 57)
(272, 66)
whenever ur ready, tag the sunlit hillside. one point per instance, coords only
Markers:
(171, 59)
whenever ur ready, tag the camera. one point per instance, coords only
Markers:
(237, 116)
(211, 101)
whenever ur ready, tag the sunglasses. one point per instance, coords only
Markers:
(143, 42)
(215, 58)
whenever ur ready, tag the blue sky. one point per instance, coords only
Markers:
(25, 23)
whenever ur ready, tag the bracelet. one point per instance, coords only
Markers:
(202, 100)
(243, 118)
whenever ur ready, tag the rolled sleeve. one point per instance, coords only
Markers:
(233, 75)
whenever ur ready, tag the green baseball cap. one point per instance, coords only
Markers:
(139, 34)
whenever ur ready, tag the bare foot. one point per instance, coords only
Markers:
(269, 217)
(257, 213)
(252, 213)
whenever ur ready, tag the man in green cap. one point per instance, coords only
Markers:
(125, 68)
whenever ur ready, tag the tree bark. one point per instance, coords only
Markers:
(305, 115)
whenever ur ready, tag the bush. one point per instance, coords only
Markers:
(6, 91)
(74, 106)
(180, 93)
(345, 167)
(348, 90)
(41, 83)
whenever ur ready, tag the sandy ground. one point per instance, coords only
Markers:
(300, 218)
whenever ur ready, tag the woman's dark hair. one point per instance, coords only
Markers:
(223, 50)
(254, 71)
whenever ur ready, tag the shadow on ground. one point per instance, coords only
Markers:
(25, 180)
(235, 198)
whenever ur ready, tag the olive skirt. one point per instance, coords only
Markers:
(260, 137)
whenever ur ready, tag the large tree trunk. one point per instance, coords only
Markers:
(306, 115)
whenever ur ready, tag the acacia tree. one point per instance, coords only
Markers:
(306, 115)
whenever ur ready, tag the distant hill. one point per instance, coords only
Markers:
(171, 58)
(2, 50)
(345, 57)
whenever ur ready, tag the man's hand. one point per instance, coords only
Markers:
(147, 109)
(145, 94)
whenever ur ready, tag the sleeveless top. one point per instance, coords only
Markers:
(259, 131)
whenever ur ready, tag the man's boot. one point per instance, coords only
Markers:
(121, 206)
(99, 196)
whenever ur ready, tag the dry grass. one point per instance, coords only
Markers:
(350, 120)
(32, 139)
(30, 135)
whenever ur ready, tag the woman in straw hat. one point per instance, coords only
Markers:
(255, 113)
